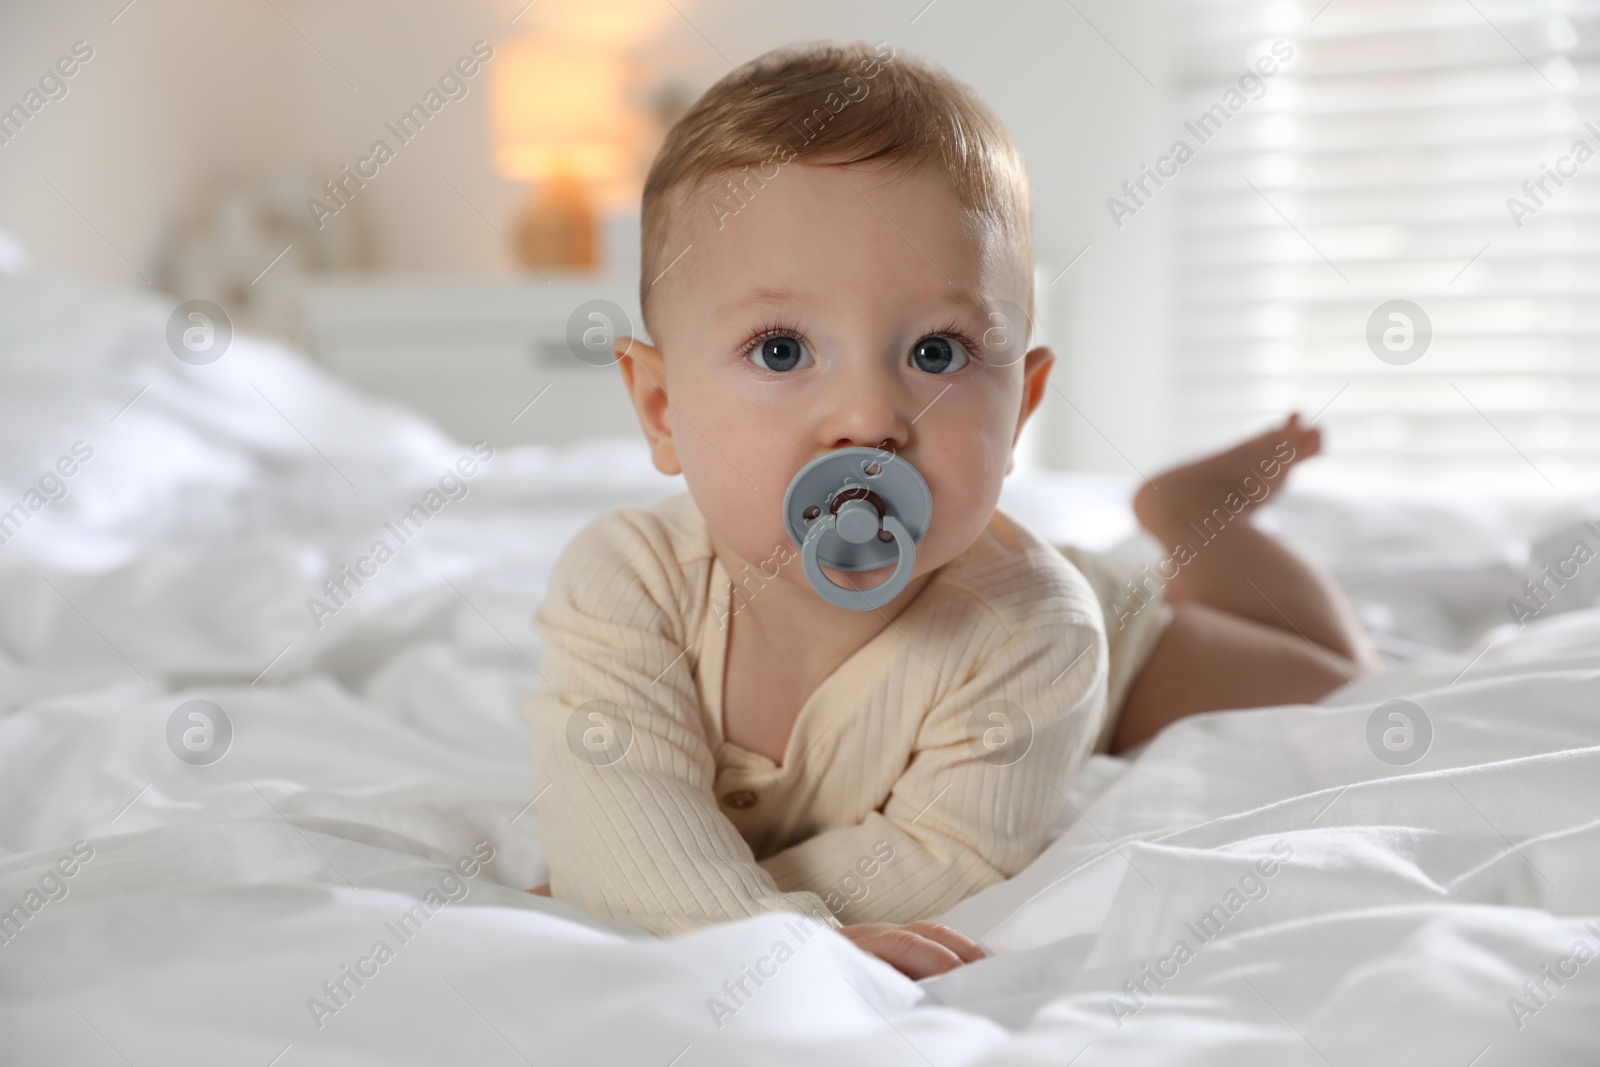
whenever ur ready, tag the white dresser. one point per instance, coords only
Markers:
(474, 354)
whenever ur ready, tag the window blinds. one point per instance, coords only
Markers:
(1444, 153)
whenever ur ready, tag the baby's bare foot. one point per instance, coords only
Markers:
(1250, 471)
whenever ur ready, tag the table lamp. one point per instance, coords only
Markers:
(562, 121)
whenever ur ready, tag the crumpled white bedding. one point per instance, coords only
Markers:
(378, 783)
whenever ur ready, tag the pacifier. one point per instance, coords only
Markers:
(857, 509)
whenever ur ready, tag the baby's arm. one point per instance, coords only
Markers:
(963, 815)
(632, 831)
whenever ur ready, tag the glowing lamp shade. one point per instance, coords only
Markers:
(562, 121)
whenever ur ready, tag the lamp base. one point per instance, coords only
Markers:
(558, 227)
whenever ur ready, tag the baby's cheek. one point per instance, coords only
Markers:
(965, 491)
(748, 520)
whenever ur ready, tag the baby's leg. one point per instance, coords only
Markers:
(1253, 624)
(1208, 660)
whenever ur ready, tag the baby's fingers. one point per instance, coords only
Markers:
(912, 954)
(906, 951)
(954, 940)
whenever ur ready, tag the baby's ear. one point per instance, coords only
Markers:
(1035, 376)
(643, 374)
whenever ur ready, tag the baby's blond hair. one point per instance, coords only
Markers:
(833, 102)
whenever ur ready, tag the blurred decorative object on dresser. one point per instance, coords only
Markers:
(250, 246)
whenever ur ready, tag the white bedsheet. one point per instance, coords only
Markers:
(1407, 905)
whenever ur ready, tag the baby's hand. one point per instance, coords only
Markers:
(917, 950)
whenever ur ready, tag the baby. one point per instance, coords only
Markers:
(837, 252)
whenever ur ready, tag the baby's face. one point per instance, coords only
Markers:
(840, 306)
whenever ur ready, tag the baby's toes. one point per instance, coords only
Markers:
(1307, 443)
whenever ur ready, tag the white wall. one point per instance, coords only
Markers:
(183, 94)
(169, 102)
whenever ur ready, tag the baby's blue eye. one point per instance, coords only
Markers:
(779, 352)
(937, 355)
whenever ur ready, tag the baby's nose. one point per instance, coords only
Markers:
(882, 436)
(868, 414)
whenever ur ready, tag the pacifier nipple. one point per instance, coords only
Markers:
(857, 509)
(857, 521)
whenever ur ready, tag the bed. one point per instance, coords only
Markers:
(1348, 887)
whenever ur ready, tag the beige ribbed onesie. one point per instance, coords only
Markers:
(911, 779)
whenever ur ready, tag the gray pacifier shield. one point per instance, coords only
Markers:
(854, 543)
